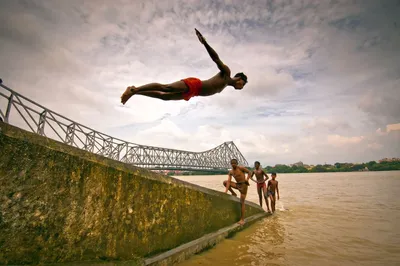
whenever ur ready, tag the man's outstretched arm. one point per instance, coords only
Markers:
(214, 56)
(251, 177)
(244, 169)
(266, 176)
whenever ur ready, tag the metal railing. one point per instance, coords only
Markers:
(22, 112)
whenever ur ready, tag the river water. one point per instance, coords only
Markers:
(322, 219)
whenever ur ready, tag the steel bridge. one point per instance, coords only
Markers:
(17, 110)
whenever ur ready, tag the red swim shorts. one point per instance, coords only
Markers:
(261, 185)
(194, 85)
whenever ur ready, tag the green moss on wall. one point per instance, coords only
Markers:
(61, 204)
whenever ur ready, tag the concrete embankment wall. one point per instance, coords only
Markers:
(62, 204)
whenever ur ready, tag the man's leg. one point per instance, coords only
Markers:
(271, 200)
(273, 203)
(242, 199)
(259, 195)
(233, 185)
(156, 90)
(266, 198)
(166, 96)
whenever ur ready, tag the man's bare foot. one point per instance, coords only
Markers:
(234, 194)
(241, 222)
(129, 92)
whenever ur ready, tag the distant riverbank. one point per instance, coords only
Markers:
(337, 167)
(383, 165)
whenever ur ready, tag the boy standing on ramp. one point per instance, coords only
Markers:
(190, 87)
(238, 172)
(261, 186)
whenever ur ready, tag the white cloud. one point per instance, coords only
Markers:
(393, 127)
(338, 141)
(375, 146)
(331, 124)
(389, 128)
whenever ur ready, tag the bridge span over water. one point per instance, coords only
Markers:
(25, 113)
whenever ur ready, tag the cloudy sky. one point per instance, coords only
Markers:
(324, 76)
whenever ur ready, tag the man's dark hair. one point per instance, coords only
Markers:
(257, 162)
(234, 160)
(242, 76)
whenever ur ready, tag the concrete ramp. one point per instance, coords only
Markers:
(60, 204)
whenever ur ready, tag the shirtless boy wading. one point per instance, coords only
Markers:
(272, 187)
(190, 87)
(238, 172)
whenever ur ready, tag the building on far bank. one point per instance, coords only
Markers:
(298, 164)
(309, 167)
(389, 160)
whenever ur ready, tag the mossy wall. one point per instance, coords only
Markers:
(62, 204)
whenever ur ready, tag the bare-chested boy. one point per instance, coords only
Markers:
(190, 87)
(238, 172)
(261, 186)
(272, 187)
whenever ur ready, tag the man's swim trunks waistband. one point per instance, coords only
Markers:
(261, 185)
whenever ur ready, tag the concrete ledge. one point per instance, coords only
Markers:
(21, 134)
(187, 250)
(179, 254)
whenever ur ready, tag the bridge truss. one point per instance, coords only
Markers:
(22, 112)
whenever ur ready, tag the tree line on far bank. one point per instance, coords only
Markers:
(337, 167)
(319, 168)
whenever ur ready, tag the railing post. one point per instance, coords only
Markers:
(107, 147)
(117, 153)
(42, 122)
(89, 145)
(124, 158)
(10, 101)
(69, 137)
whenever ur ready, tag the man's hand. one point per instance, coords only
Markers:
(201, 38)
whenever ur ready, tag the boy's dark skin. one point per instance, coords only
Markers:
(261, 187)
(272, 187)
(175, 90)
(238, 172)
